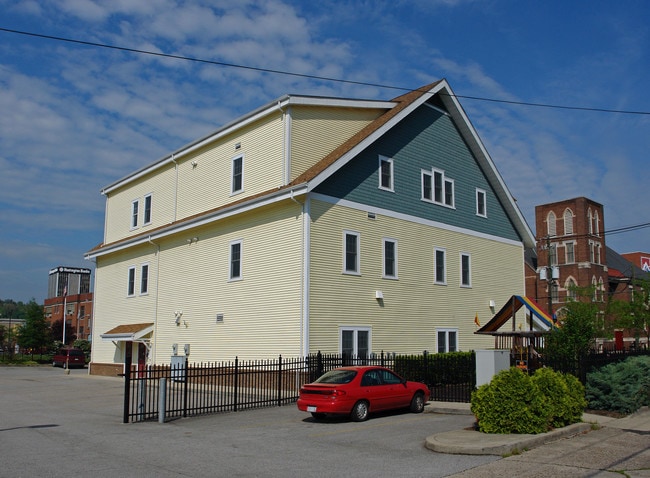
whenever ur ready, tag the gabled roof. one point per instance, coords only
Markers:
(127, 332)
(396, 110)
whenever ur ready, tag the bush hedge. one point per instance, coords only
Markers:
(622, 387)
(514, 402)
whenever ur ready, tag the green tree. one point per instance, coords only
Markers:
(35, 334)
(576, 333)
(635, 314)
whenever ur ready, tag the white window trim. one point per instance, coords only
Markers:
(481, 192)
(128, 281)
(384, 159)
(446, 330)
(234, 191)
(383, 259)
(356, 272)
(435, 266)
(445, 181)
(144, 209)
(566, 252)
(232, 278)
(355, 329)
(142, 266)
(135, 205)
(469, 257)
(423, 173)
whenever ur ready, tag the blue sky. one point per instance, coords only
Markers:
(76, 117)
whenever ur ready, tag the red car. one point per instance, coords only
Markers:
(358, 391)
(69, 358)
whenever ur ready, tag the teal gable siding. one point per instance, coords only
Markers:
(426, 139)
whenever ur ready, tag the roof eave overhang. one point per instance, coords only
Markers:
(201, 220)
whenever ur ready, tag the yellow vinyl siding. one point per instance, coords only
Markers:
(413, 306)
(118, 204)
(318, 130)
(201, 181)
(261, 312)
(112, 306)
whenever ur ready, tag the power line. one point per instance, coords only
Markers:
(312, 77)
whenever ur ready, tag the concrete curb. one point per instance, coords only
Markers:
(470, 442)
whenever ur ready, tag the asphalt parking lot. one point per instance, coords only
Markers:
(54, 424)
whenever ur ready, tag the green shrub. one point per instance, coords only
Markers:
(510, 403)
(565, 396)
(622, 387)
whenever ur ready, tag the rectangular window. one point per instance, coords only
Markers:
(570, 252)
(237, 174)
(447, 340)
(481, 209)
(385, 173)
(440, 267)
(449, 193)
(437, 186)
(427, 184)
(147, 209)
(235, 260)
(131, 284)
(144, 279)
(465, 270)
(135, 206)
(390, 258)
(351, 252)
(355, 342)
(552, 255)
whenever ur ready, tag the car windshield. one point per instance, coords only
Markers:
(337, 376)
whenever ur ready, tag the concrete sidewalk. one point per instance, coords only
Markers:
(600, 446)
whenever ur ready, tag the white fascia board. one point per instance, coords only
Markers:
(472, 138)
(200, 221)
(255, 115)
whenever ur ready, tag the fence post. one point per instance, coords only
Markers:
(162, 400)
(319, 364)
(236, 387)
(185, 387)
(382, 363)
(280, 381)
(127, 388)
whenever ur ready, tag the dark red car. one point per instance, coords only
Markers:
(359, 391)
(69, 358)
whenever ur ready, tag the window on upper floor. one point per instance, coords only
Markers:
(147, 209)
(390, 259)
(552, 255)
(437, 188)
(351, 262)
(447, 340)
(592, 252)
(144, 279)
(235, 260)
(596, 223)
(568, 222)
(465, 270)
(130, 288)
(237, 174)
(551, 224)
(570, 255)
(135, 212)
(481, 204)
(386, 173)
(440, 266)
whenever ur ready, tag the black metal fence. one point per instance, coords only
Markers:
(163, 392)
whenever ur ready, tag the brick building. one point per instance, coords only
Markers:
(69, 290)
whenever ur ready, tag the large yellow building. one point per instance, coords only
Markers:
(339, 225)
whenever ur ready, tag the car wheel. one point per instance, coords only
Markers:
(360, 411)
(417, 403)
(318, 416)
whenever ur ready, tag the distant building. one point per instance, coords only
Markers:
(639, 259)
(69, 289)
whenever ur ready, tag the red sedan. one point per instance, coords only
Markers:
(358, 391)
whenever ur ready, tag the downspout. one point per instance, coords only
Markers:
(155, 307)
(304, 277)
(175, 189)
